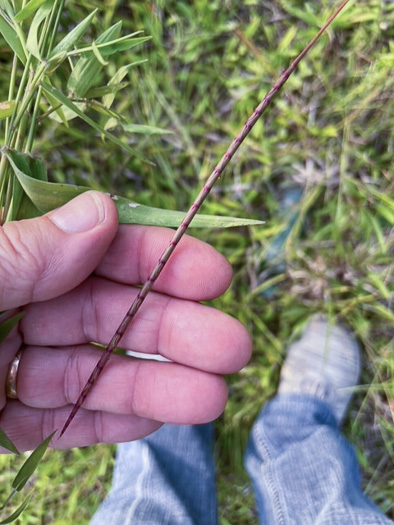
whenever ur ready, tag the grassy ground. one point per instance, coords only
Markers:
(327, 143)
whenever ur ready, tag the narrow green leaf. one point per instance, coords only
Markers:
(86, 71)
(28, 10)
(33, 167)
(146, 130)
(97, 54)
(117, 78)
(123, 44)
(30, 465)
(72, 38)
(6, 443)
(6, 109)
(132, 212)
(59, 112)
(37, 168)
(27, 210)
(8, 325)
(33, 37)
(100, 108)
(47, 196)
(70, 105)
(7, 8)
(17, 195)
(101, 91)
(12, 38)
(15, 515)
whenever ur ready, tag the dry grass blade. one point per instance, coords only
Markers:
(189, 217)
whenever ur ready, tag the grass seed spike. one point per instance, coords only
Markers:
(188, 218)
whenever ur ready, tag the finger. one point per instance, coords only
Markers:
(167, 392)
(182, 331)
(195, 271)
(44, 257)
(88, 428)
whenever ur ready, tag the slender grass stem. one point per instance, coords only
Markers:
(11, 88)
(4, 167)
(29, 94)
(59, 7)
(33, 122)
(188, 218)
(19, 96)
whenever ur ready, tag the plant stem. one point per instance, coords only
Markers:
(12, 88)
(187, 220)
(56, 25)
(21, 89)
(29, 95)
(33, 122)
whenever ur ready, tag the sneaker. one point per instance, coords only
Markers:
(324, 363)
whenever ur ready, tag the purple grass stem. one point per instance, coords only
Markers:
(215, 175)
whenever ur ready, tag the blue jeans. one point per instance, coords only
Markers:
(303, 472)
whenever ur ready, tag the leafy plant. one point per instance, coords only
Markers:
(63, 81)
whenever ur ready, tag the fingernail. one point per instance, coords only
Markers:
(79, 215)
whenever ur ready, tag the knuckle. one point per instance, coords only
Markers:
(73, 377)
(21, 264)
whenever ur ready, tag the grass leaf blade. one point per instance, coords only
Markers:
(72, 38)
(47, 196)
(117, 79)
(146, 130)
(12, 38)
(70, 105)
(85, 72)
(32, 38)
(28, 10)
(31, 464)
(15, 515)
(6, 443)
(7, 326)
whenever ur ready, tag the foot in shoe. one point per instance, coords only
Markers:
(324, 363)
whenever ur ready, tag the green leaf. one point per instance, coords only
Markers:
(27, 210)
(12, 517)
(85, 73)
(28, 10)
(11, 37)
(6, 109)
(72, 38)
(6, 443)
(8, 325)
(59, 112)
(6, 6)
(70, 105)
(97, 92)
(97, 54)
(47, 196)
(117, 78)
(33, 167)
(146, 130)
(30, 465)
(123, 44)
(32, 43)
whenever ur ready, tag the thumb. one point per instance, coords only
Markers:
(45, 257)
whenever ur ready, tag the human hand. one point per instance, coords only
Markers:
(74, 272)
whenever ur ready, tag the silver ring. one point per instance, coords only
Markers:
(12, 376)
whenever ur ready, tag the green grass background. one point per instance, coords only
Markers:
(327, 141)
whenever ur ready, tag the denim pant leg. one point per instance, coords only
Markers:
(167, 478)
(303, 471)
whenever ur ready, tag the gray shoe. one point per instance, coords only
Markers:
(324, 363)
